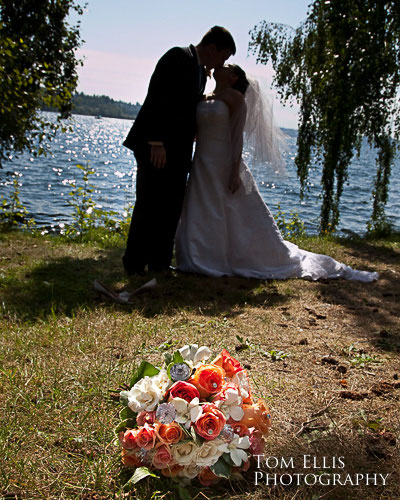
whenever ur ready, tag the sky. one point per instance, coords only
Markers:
(123, 39)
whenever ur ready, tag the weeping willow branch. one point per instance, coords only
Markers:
(342, 65)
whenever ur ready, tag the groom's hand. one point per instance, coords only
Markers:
(158, 156)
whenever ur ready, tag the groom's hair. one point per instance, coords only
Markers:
(220, 37)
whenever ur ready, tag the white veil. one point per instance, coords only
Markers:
(262, 138)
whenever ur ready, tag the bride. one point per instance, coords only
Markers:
(225, 227)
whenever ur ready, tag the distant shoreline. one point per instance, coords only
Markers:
(101, 106)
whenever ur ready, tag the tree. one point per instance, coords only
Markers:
(343, 66)
(37, 65)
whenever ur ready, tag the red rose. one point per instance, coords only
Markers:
(146, 437)
(144, 417)
(183, 390)
(128, 439)
(257, 442)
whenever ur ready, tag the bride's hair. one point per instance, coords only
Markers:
(242, 82)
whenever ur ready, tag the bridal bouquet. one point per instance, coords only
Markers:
(192, 418)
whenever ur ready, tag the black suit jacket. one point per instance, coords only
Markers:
(168, 113)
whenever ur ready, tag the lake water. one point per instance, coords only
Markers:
(45, 182)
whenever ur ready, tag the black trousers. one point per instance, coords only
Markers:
(159, 199)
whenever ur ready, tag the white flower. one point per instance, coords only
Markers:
(242, 381)
(162, 381)
(195, 355)
(186, 413)
(184, 453)
(145, 395)
(230, 406)
(236, 449)
(209, 453)
(189, 471)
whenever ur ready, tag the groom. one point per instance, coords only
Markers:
(162, 140)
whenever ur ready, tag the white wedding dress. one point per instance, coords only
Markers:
(225, 234)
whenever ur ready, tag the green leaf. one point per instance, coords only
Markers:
(227, 458)
(145, 370)
(177, 357)
(124, 425)
(221, 468)
(127, 413)
(196, 438)
(139, 474)
(168, 358)
(183, 493)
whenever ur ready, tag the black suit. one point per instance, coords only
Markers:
(168, 115)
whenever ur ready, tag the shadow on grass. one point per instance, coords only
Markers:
(374, 306)
(63, 285)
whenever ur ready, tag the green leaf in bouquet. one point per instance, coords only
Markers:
(196, 438)
(145, 370)
(183, 493)
(139, 474)
(123, 397)
(186, 431)
(129, 423)
(221, 468)
(127, 413)
(227, 458)
(167, 358)
(177, 358)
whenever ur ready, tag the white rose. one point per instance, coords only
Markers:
(162, 381)
(184, 453)
(208, 453)
(189, 471)
(144, 395)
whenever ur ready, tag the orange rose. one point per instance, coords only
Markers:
(130, 459)
(162, 457)
(207, 477)
(208, 379)
(145, 437)
(170, 433)
(257, 415)
(229, 364)
(172, 470)
(240, 429)
(210, 423)
(128, 439)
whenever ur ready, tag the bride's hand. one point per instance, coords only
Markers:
(234, 183)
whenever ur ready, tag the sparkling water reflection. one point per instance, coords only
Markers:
(45, 182)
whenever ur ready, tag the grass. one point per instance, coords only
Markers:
(64, 350)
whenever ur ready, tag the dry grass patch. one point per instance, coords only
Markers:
(324, 355)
